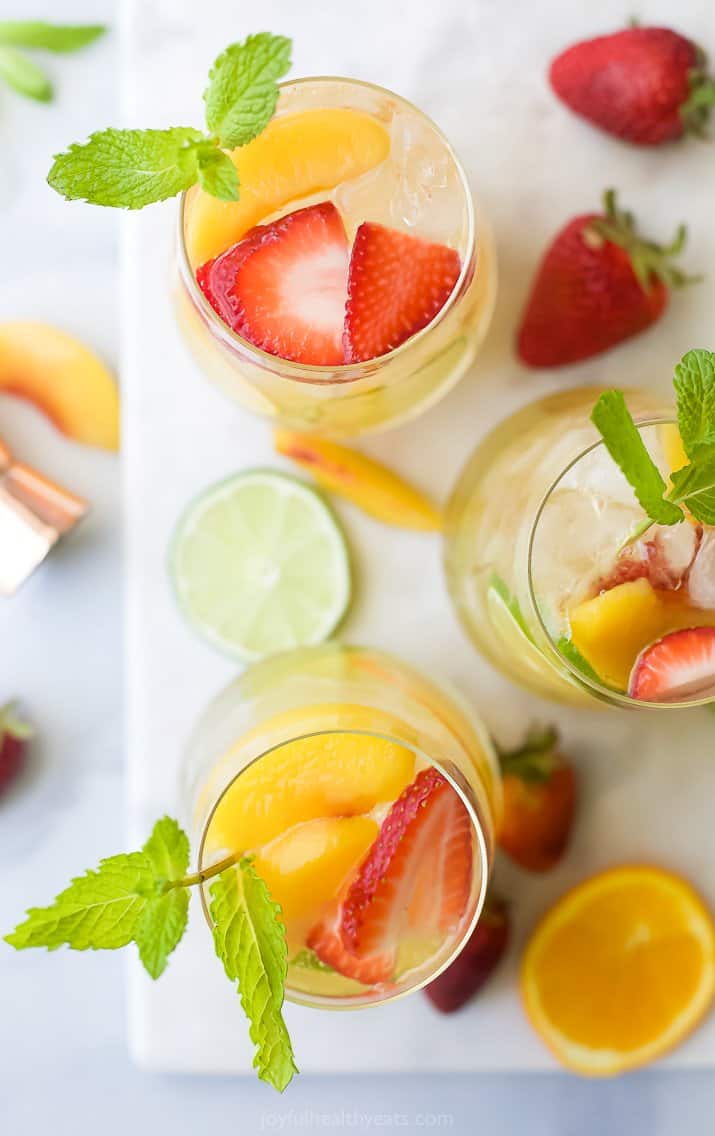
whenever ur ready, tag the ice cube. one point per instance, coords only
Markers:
(670, 552)
(701, 581)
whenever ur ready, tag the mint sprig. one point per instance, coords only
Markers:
(143, 897)
(21, 73)
(128, 169)
(692, 488)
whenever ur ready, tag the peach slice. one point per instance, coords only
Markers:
(367, 483)
(306, 867)
(296, 156)
(63, 378)
(325, 775)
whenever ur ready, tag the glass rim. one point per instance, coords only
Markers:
(358, 1001)
(342, 372)
(598, 689)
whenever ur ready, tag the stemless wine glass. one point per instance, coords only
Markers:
(307, 752)
(419, 188)
(536, 525)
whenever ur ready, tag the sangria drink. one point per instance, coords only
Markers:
(368, 798)
(557, 574)
(352, 283)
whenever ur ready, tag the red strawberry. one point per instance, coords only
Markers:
(396, 286)
(13, 736)
(645, 85)
(283, 286)
(417, 874)
(418, 871)
(598, 284)
(677, 668)
(539, 801)
(476, 961)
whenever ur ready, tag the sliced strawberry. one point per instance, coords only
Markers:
(478, 958)
(283, 286)
(417, 873)
(677, 668)
(325, 939)
(396, 286)
(14, 735)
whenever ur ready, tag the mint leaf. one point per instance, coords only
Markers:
(624, 443)
(128, 169)
(49, 37)
(160, 927)
(242, 93)
(167, 850)
(217, 174)
(98, 910)
(250, 941)
(24, 76)
(694, 486)
(695, 385)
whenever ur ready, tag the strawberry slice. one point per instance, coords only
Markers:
(396, 286)
(676, 668)
(326, 940)
(283, 286)
(417, 873)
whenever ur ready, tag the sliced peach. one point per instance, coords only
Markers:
(367, 483)
(306, 867)
(296, 155)
(326, 775)
(612, 629)
(673, 447)
(63, 378)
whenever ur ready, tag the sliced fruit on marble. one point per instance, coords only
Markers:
(680, 667)
(63, 378)
(326, 775)
(283, 286)
(612, 629)
(396, 286)
(365, 482)
(296, 156)
(620, 970)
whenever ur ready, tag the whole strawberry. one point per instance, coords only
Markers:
(645, 85)
(598, 284)
(476, 961)
(13, 737)
(539, 802)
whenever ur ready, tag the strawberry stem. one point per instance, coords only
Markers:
(695, 111)
(534, 760)
(12, 724)
(649, 260)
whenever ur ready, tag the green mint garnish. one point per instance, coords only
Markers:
(128, 169)
(692, 487)
(21, 73)
(250, 941)
(624, 443)
(143, 897)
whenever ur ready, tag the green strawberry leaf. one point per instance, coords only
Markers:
(128, 169)
(24, 76)
(624, 443)
(217, 174)
(695, 386)
(250, 941)
(242, 92)
(160, 927)
(167, 850)
(97, 911)
(49, 37)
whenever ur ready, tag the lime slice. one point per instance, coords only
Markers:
(260, 565)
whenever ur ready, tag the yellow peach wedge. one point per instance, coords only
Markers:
(295, 157)
(63, 378)
(367, 483)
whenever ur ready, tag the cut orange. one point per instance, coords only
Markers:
(620, 970)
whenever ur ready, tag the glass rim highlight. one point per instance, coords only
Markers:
(598, 690)
(359, 1001)
(312, 374)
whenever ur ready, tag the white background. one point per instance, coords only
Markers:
(63, 1062)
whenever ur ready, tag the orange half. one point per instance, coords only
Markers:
(620, 970)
